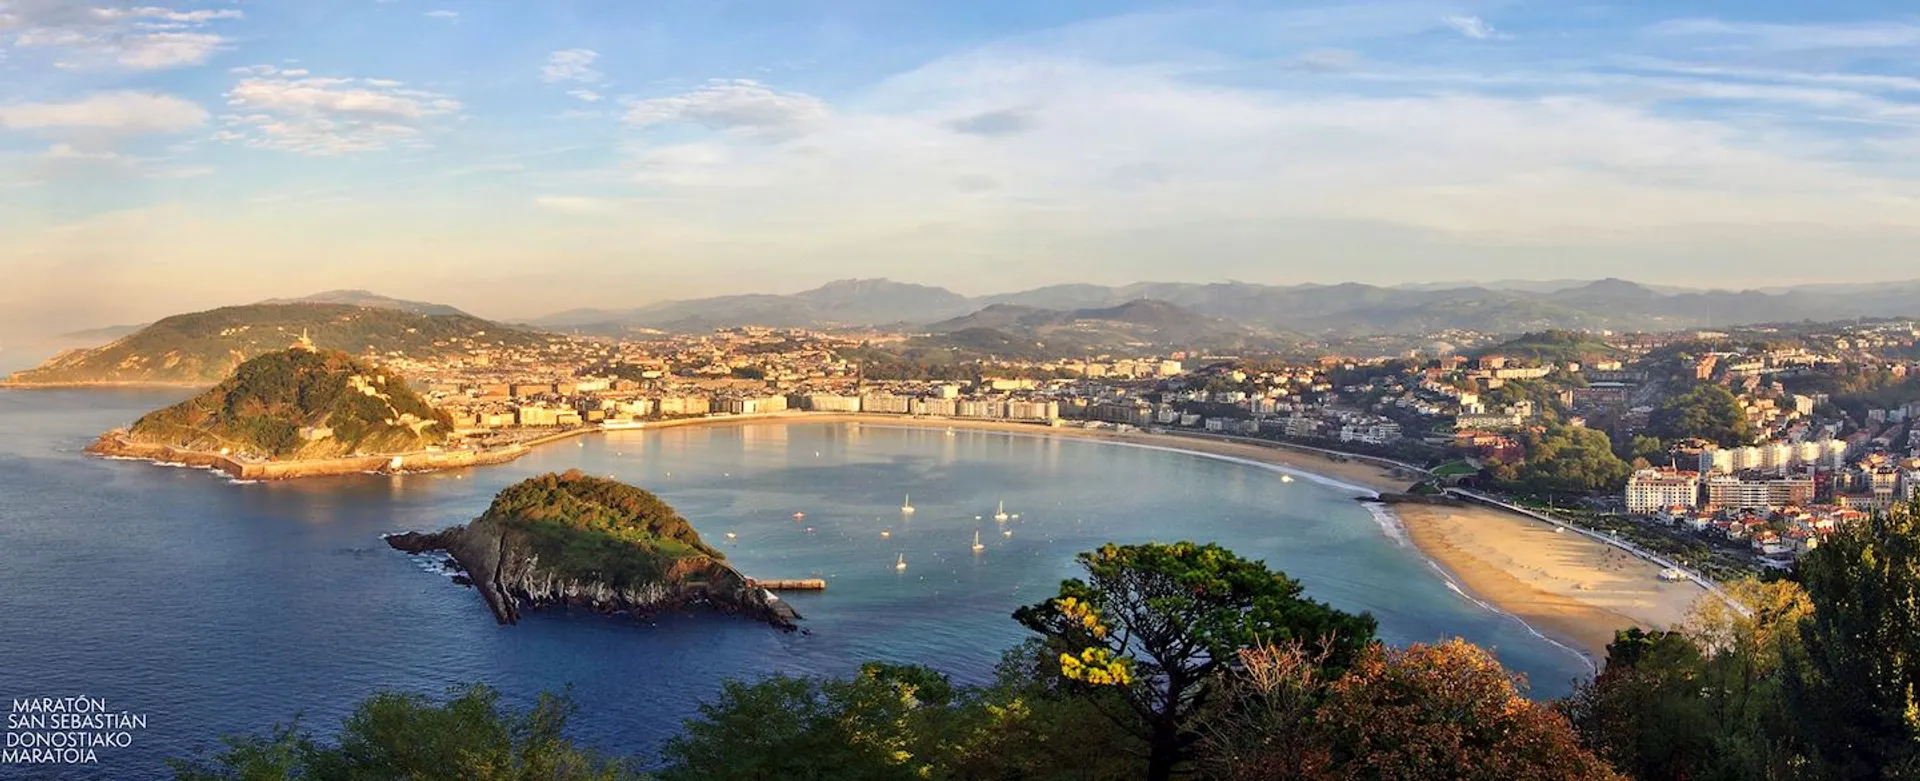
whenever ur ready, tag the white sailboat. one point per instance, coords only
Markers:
(1001, 514)
(900, 565)
(906, 505)
(977, 547)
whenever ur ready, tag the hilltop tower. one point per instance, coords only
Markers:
(305, 343)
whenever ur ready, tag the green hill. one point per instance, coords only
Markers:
(589, 528)
(300, 403)
(202, 347)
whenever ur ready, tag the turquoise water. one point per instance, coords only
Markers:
(214, 607)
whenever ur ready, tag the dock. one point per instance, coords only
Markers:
(804, 584)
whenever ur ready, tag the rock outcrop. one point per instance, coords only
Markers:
(501, 558)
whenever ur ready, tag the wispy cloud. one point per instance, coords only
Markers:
(291, 110)
(124, 111)
(741, 106)
(451, 16)
(1471, 26)
(1792, 37)
(571, 65)
(135, 38)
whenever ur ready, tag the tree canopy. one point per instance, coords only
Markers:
(1707, 412)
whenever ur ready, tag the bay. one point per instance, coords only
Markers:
(213, 607)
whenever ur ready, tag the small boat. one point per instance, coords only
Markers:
(906, 505)
(1286, 478)
(809, 529)
(1559, 530)
(886, 534)
(977, 547)
(1016, 516)
(976, 517)
(798, 516)
(1001, 514)
(731, 536)
(900, 565)
(1006, 532)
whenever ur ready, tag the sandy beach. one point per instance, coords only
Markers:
(1573, 589)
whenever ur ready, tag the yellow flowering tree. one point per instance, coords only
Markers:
(1157, 622)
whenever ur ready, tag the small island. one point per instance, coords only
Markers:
(571, 540)
(301, 412)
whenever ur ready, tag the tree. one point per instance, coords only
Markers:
(1707, 412)
(403, 736)
(1569, 460)
(1652, 449)
(1704, 701)
(1858, 699)
(1447, 710)
(1158, 621)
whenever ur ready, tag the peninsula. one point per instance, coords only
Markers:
(571, 540)
(295, 413)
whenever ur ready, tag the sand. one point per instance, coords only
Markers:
(1573, 589)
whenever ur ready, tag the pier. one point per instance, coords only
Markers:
(804, 584)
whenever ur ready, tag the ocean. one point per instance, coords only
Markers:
(210, 607)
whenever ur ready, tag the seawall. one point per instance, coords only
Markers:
(116, 443)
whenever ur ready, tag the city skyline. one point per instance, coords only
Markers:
(517, 161)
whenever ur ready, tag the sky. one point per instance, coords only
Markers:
(520, 157)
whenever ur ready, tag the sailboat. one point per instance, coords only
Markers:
(977, 547)
(906, 505)
(1001, 514)
(900, 565)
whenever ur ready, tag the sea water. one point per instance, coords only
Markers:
(211, 607)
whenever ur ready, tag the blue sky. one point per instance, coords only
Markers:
(519, 157)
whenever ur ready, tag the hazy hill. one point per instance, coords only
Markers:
(1350, 309)
(262, 409)
(1011, 329)
(369, 299)
(201, 348)
(848, 302)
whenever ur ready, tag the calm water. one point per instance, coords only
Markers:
(214, 607)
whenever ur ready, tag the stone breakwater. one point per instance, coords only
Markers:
(117, 444)
(509, 576)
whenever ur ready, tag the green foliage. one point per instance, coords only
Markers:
(1158, 621)
(1859, 700)
(261, 408)
(593, 528)
(1553, 347)
(1707, 412)
(203, 347)
(1566, 460)
(470, 737)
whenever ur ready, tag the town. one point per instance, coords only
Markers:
(1729, 451)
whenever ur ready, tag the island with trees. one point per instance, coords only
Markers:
(572, 540)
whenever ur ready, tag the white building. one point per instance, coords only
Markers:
(1652, 490)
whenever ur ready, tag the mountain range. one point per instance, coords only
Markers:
(1313, 310)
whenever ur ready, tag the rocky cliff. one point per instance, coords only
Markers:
(561, 553)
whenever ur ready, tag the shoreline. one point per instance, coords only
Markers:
(1570, 590)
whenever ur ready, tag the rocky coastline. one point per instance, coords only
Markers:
(509, 578)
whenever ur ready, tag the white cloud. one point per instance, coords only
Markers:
(443, 14)
(136, 38)
(585, 95)
(741, 106)
(121, 111)
(571, 65)
(1470, 26)
(294, 111)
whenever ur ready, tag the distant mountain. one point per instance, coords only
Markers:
(848, 302)
(203, 347)
(1349, 309)
(369, 299)
(99, 335)
(298, 404)
(1012, 329)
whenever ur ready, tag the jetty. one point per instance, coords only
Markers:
(801, 584)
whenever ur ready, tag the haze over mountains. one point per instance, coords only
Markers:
(1352, 308)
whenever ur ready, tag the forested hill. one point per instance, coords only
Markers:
(201, 348)
(300, 403)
